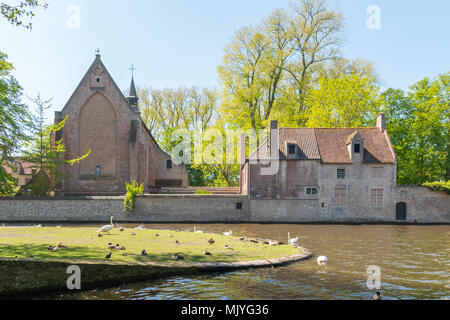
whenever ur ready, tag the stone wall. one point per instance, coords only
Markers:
(149, 208)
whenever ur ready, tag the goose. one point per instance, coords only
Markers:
(61, 245)
(229, 233)
(50, 248)
(55, 249)
(108, 255)
(228, 247)
(197, 231)
(293, 240)
(144, 253)
(321, 260)
(111, 246)
(107, 227)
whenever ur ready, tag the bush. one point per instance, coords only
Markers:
(132, 191)
(201, 191)
(438, 186)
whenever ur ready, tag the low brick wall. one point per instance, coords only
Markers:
(149, 208)
(31, 278)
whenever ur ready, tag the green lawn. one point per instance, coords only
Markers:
(84, 244)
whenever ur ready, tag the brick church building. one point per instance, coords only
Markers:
(103, 120)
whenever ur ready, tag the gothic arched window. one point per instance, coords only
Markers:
(98, 170)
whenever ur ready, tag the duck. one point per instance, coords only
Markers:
(61, 245)
(50, 248)
(121, 229)
(197, 231)
(273, 243)
(99, 235)
(228, 247)
(211, 241)
(156, 234)
(39, 226)
(141, 227)
(108, 255)
(108, 227)
(292, 240)
(55, 249)
(206, 253)
(58, 227)
(229, 233)
(119, 247)
(133, 233)
(170, 235)
(177, 242)
(111, 246)
(177, 257)
(321, 260)
(144, 253)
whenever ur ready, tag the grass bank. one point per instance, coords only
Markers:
(84, 244)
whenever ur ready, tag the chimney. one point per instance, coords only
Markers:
(243, 151)
(381, 122)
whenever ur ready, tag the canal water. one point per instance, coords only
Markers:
(414, 262)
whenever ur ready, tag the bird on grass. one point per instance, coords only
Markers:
(197, 231)
(156, 234)
(177, 242)
(206, 253)
(100, 235)
(61, 245)
(108, 255)
(229, 233)
(211, 241)
(228, 247)
(121, 229)
(133, 233)
(321, 260)
(111, 246)
(177, 257)
(141, 227)
(144, 253)
(107, 227)
(119, 247)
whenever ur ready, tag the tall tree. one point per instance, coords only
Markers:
(15, 120)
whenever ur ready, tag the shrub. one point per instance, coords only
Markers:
(438, 186)
(132, 191)
(201, 191)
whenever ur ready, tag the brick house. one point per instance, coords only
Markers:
(324, 174)
(102, 119)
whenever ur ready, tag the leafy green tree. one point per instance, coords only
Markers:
(345, 101)
(15, 120)
(15, 11)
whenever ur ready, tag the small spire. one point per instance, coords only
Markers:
(97, 52)
(132, 95)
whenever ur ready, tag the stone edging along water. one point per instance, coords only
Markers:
(34, 277)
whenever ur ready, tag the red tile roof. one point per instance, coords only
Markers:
(330, 145)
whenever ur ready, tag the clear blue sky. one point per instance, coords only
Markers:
(180, 43)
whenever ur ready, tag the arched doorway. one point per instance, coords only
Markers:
(400, 211)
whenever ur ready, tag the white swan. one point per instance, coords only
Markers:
(321, 260)
(293, 240)
(108, 227)
(197, 231)
(229, 233)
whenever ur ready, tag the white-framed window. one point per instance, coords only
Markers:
(376, 197)
(341, 173)
(340, 195)
(311, 191)
(376, 172)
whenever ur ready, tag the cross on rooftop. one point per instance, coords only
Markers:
(132, 70)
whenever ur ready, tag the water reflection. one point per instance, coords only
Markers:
(414, 262)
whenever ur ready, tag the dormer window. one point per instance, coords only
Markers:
(98, 80)
(291, 149)
(357, 148)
